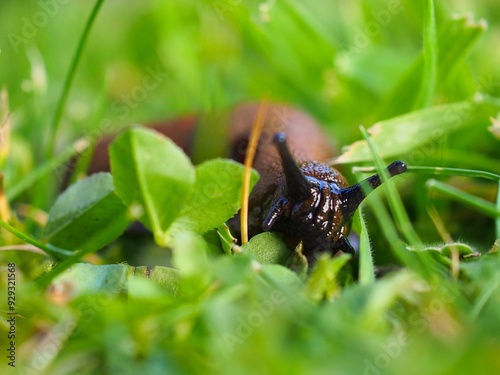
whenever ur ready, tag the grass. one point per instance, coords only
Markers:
(426, 73)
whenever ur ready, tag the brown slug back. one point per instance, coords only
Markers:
(297, 195)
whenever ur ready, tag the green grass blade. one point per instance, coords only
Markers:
(497, 222)
(45, 280)
(458, 195)
(471, 173)
(430, 68)
(455, 40)
(389, 230)
(480, 204)
(58, 163)
(392, 196)
(61, 104)
(440, 171)
(366, 269)
(484, 296)
(50, 250)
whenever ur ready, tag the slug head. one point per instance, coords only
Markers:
(315, 205)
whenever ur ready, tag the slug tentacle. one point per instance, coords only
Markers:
(355, 194)
(297, 184)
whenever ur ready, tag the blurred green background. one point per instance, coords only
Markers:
(336, 60)
(346, 64)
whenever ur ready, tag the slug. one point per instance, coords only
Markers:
(298, 194)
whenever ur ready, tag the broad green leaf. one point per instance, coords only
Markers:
(140, 287)
(213, 241)
(267, 248)
(153, 175)
(189, 253)
(232, 270)
(166, 277)
(88, 215)
(84, 278)
(402, 134)
(158, 281)
(282, 276)
(217, 195)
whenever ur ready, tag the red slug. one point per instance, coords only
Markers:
(297, 195)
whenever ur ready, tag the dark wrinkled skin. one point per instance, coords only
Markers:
(319, 220)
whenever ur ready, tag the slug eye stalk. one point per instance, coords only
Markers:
(352, 196)
(297, 184)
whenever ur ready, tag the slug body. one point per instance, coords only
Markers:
(316, 205)
(297, 195)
